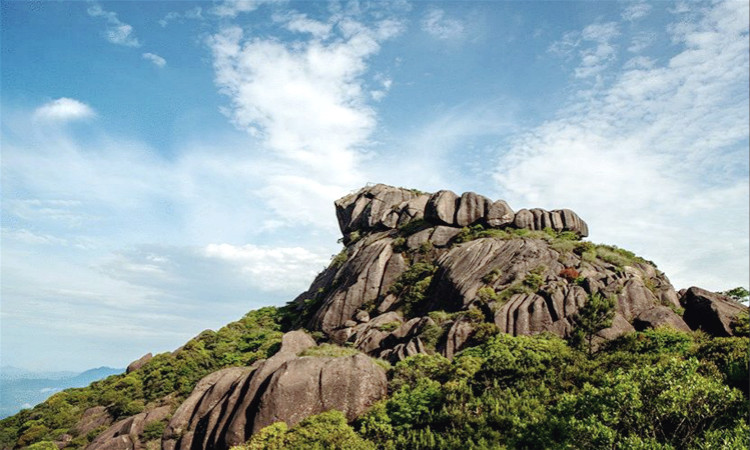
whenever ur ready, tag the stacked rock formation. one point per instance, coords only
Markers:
(382, 207)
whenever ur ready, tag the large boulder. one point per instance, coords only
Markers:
(710, 312)
(441, 208)
(227, 406)
(92, 419)
(311, 385)
(471, 209)
(125, 434)
(138, 363)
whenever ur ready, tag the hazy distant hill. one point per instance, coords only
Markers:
(23, 389)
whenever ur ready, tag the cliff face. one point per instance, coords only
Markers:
(419, 273)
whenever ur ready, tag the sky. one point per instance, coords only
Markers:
(168, 166)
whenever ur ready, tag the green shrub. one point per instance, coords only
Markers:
(413, 226)
(329, 350)
(325, 431)
(389, 326)
(153, 431)
(399, 245)
(339, 259)
(411, 287)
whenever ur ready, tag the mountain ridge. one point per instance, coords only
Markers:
(422, 277)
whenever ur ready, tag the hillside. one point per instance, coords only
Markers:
(445, 322)
(21, 388)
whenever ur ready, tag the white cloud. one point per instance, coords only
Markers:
(436, 24)
(156, 59)
(640, 42)
(195, 13)
(307, 102)
(300, 23)
(231, 8)
(593, 45)
(635, 11)
(651, 159)
(281, 269)
(64, 109)
(117, 32)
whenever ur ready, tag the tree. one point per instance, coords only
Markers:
(738, 294)
(595, 315)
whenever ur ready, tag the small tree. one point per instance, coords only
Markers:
(738, 294)
(596, 314)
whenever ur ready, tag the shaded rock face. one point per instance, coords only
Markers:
(138, 363)
(92, 419)
(125, 434)
(710, 312)
(517, 283)
(228, 406)
(381, 207)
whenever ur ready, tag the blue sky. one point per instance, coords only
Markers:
(168, 166)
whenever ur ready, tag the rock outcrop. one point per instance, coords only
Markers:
(138, 363)
(519, 283)
(710, 312)
(125, 434)
(228, 406)
(382, 207)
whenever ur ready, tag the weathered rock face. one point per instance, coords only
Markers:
(518, 283)
(227, 406)
(92, 419)
(138, 363)
(381, 207)
(125, 434)
(710, 312)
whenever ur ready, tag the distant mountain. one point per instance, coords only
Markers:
(23, 389)
(15, 373)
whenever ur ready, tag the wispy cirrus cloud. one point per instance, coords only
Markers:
(195, 13)
(438, 25)
(157, 60)
(636, 10)
(593, 47)
(654, 150)
(117, 32)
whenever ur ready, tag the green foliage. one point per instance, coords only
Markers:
(411, 287)
(339, 259)
(326, 431)
(739, 294)
(534, 392)
(492, 276)
(669, 402)
(426, 247)
(741, 325)
(256, 336)
(153, 431)
(413, 226)
(726, 357)
(619, 257)
(389, 326)
(399, 245)
(329, 350)
(430, 335)
(595, 315)
(42, 445)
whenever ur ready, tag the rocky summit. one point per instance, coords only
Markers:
(419, 274)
